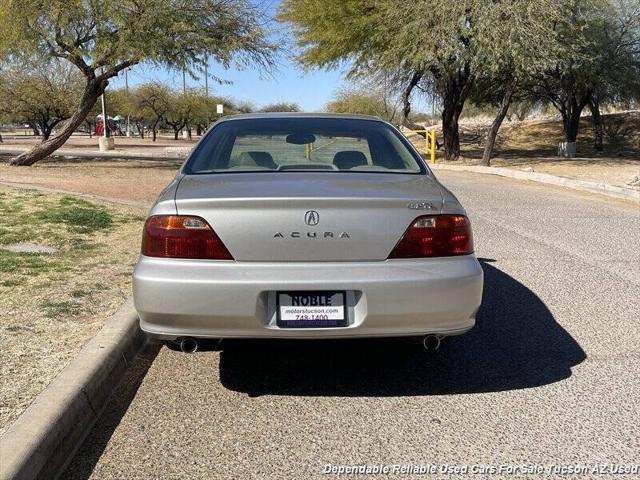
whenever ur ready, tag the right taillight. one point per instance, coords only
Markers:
(182, 236)
(435, 236)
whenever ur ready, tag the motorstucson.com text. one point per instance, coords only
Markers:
(483, 469)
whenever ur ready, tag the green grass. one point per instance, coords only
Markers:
(60, 309)
(66, 223)
(17, 328)
(79, 293)
(24, 263)
(78, 215)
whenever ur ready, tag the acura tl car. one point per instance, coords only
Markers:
(306, 226)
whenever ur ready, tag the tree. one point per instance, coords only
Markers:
(281, 107)
(600, 43)
(435, 45)
(355, 100)
(152, 101)
(243, 106)
(618, 79)
(509, 56)
(101, 39)
(40, 95)
(178, 111)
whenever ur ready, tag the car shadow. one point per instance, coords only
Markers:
(515, 344)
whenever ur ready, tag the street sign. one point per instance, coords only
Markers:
(219, 108)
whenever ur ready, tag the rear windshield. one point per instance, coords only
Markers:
(303, 144)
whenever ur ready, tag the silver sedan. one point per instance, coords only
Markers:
(306, 226)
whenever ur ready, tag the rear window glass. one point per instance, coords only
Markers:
(302, 144)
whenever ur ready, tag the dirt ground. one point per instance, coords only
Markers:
(53, 303)
(130, 180)
(84, 142)
(531, 145)
(612, 171)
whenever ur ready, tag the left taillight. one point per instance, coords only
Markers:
(182, 236)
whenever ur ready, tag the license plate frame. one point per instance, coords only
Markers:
(311, 322)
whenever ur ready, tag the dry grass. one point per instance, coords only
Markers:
(53, 303)
(129, 180)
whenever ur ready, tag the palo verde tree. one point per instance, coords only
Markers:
(508, 57)
(180, 111)
(152, 101)
(102, 38)
(600, 40)
(617, 76)
(40, 95)
(434, 45)
(281, 107)
(366, 102)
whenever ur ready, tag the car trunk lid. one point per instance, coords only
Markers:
(308, 216)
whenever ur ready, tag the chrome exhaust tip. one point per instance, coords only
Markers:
(431, 342)
(188, 344)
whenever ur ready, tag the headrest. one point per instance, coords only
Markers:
(258, 159)
(348, 159)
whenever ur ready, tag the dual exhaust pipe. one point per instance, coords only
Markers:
(191, 345)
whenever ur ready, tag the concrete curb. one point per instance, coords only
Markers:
(44, 438)
(584, 185)
(173, 153)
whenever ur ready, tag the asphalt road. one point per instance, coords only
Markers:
(549, 376)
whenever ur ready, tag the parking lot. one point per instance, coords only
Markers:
(550, 375)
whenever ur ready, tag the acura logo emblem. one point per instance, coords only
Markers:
(311, 218)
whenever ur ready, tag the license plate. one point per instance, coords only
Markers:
(311, 309)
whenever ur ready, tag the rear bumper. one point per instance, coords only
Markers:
(223, 299)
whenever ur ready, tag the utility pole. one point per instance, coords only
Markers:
(185, 133)
(126, 87)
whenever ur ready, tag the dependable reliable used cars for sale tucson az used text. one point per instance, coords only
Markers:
(306, 226)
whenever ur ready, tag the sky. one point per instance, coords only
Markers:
(311, 90)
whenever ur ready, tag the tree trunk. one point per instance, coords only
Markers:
(47, 128)
(596, 123)
(176, 131)
(571, 123)
(450, 131)
(406, 102)
(455, 94)
(92, 91)
(495, 126)
(571, 112)
(198, 131)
